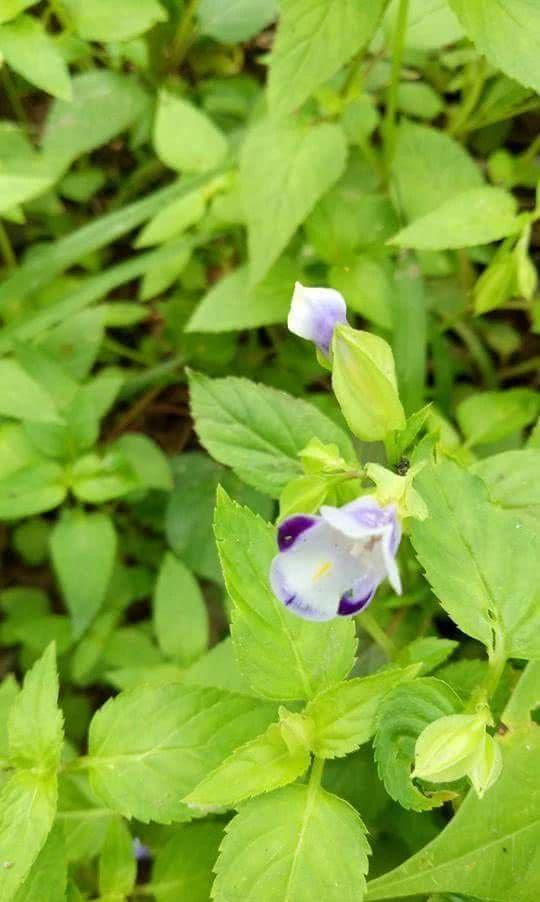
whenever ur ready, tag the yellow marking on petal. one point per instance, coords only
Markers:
(322, 571)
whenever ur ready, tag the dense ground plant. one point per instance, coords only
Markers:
(269, 450)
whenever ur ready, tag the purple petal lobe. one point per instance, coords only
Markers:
(292, 528)
(349, 605)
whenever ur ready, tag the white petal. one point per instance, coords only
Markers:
(314, 314)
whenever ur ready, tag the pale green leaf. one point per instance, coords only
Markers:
(183, 866)
(282, 656)
(512, 480)
(257, 430)
(472, 217)
(187, 732)
(34, 489)
(479, 559)
(315, 38)
(12, 8)
(113, 20)
(35, 724)
(22, 397)
(174, 219)
(507, 32)
(83, 818)
(231, 21)
(47, 879)
(180, 616)
(402, 716)
(33, 53)
(285, 168)
(184, 137)
(27, 809)
(232, 303)
(117, 864)
(344, 716)
(259, 766)
(490, 416)
(83, 549)
(148, 462)
(297, 844)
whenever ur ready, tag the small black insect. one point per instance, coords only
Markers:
(402, 466)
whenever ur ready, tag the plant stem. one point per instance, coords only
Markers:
(369, 624)
(477, 77)
(13, 97)
(182, 38)
(7, 250)
(315, 776)
(398, 46)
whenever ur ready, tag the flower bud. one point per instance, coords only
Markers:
(495, 285)
(314, 314)
(487, 766)
(447, 748)
(365, 385)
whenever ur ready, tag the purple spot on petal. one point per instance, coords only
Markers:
(292, 528)
(349, 605)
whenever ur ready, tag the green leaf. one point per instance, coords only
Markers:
(83, 543)
(32, 53)
(22, 398)
(104, 104)
(184, 137)
(259, 766)
(96, 479)
(296, 844)
(183, 866)
(180, 616)
(489, 850)
(428, 651)
(33, 490)
(344, 716)
(490, 416)
(257, 430)
(84, 820)
(27, 809)
(21, 182)
(12, 8)
(174, 219)
(315, 38)
(409, 340)
(117, 864)
(430, 168)
(507, 32)
(47, 879)
(479, 559)
(285, 168)
(282, 656)
(188, 731)
(113, 20)
(512, 480)
(148, 462)
(35, 721)
(232, 303)
(402, 717)
(218, 668)
(472, 217)
(233, 21)
(8, 693)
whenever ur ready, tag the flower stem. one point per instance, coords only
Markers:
(369, 624)
(398, 47)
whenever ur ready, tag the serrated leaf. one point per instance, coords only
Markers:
(35, 721)
(84, 819)
(183, 866)
(285, 168)
(402, 716)
(344, 716)
(512, 480)
(259, 766)
(295, 844)
(489, 850)
(257, 430)
(314, 39)
(479, 559)
(83, 543)
(180, 616)
(27, 809)
(188, 731)
(282, 656)
(473, 217)
(507, 32)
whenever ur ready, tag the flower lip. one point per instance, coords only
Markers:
(314, 314)
(331, 565)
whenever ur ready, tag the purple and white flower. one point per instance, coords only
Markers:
(314, 314)
(331, 565)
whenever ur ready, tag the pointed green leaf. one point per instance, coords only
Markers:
(35, 725)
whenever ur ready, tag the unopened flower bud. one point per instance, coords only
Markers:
(447, 748)
(487, 766)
